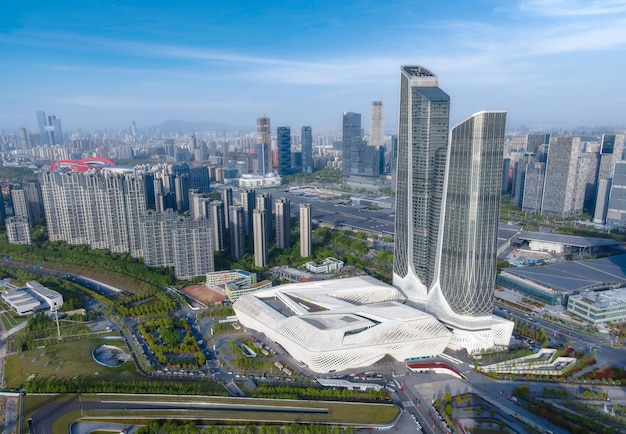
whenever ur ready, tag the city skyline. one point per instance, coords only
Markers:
(104, 65)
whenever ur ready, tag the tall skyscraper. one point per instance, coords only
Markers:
(422, 148)
(49, 129)
(559, 199)
(20, 203)
(447, 211)
(227, 198)
(283, 143)
(264, 140)
(611, 151)
(217, 219)
(352, 142)
(260, 238)
(248, 203)
(264, 203)
(23, 136)
(463, 295)
(283, 223)
(306, 235)
(237, 236)
(377, 129)
(307, 150)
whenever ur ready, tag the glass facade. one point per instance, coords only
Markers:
(422, 144)
(472, 209)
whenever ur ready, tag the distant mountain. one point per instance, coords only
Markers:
(179, 126)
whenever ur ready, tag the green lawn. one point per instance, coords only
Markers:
(207, 409)
(66, 360)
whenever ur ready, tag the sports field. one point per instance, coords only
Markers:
(203, 294)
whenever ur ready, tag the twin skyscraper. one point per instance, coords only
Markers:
(447, 211)
(447, 215)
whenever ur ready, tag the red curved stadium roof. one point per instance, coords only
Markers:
(83, 165)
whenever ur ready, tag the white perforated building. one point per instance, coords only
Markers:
(333, 325)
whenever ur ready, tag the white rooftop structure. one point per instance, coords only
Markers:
(341, 324)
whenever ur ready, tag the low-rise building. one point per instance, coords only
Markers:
(32, 298)
(599, 306)
(252, 181)
(328, 265)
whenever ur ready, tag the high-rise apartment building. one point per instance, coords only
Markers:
(264, 203)
(377, 129)
(447, 211)
(282, 212)
(283, 143)
(217, 219)
(306, 233)
(422, 150)
(18, 230)
(20, 203)
(227, 198)
(192, 245)
(248, 203)
(260, 237)
(307, 150)
(264, 140)
(107, 210)
(237, 234)
(32, 188)
(352, 143)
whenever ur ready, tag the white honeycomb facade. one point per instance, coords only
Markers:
(342, 324)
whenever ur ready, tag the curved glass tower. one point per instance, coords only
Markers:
(422, 145)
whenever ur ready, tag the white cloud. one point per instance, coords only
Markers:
(573, 8)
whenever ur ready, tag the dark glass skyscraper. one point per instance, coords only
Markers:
(307, 150)
(283, 143)
(352, 142)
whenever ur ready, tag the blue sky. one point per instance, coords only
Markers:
(101, 64)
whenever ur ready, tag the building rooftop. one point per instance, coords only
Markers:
(568, 240)
(417, 71)
(604, 299)
(573, 276)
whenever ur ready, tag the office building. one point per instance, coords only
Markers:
(283, 143)
(611, 151)
(377, 129)
(248, 203)
(49, 129)
(352, 143)
(307, 150)
(306, 232)
(260, 237)
(264, 142)
(282, 212)
(559, 198)
(616, 208)
(534, 174)
(422, 149)
(448, 202)
(462, 296)
(237, 234)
